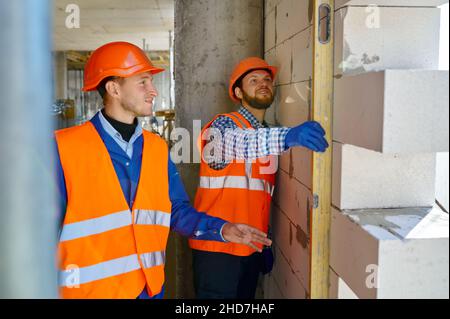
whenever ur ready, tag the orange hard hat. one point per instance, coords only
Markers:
(120, 59)
(244, 67)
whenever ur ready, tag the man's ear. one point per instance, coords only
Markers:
(238, 92)
(112, 88)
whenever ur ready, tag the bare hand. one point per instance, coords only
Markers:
(245, 234)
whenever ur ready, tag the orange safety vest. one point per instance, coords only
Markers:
(240, 193)
(107, 250)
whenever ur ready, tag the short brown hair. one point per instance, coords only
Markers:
(101, 88)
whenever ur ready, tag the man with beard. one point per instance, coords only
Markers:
(121, 192)
(237, 177)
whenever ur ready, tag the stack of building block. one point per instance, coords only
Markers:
(390, 120)
(389, 239)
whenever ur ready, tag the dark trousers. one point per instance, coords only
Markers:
(224, 276)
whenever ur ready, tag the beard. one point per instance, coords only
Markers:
(257, 102)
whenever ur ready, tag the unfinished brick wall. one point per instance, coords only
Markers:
(288, 46)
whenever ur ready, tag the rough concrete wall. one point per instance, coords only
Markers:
(288, 46)
(211, 36)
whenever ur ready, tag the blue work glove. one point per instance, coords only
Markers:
(310, 135)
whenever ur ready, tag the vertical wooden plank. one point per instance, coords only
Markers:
(322, 87)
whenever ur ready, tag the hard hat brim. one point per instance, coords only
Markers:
(123, 74)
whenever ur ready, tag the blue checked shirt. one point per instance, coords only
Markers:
(245, 144)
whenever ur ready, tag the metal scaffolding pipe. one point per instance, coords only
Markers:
(28, 227)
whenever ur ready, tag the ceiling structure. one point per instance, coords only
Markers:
(103, 21)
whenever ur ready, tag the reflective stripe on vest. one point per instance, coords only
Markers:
(110, 268)
(239, 182)
(113, 221)
(151, 217)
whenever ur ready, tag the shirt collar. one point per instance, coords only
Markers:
(251, 118)
(114, 133)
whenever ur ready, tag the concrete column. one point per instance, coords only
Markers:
(60, 74)
(28, 210)
(211, 37)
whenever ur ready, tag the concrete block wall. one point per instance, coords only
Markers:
(385, 152)
(288, 36)
(367, 179)
(367, 39)
(392, 253)
(393, 111)
(388, 78)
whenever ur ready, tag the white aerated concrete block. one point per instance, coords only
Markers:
(367, 179)
(394, 111)
(369, 39)
(283, 60)
(293, 104)
(302, 56)
(269, 6)
(391, 3)
(392, 253)
(283, 21)
(292, 16)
